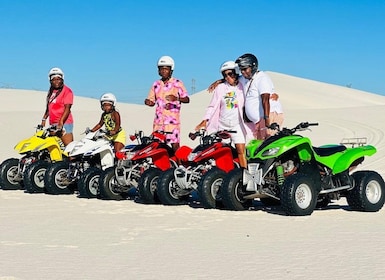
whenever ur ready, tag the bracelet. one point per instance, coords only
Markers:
(265, 117)
(43, 119)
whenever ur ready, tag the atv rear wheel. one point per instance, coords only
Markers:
(299, 195)
(56, 180)
(88, 184)
(233, 191)
(147, 185)
(33, 177)
(209, 188)
(9, 175)
(108, 184)
(168, 189)
(368, 194)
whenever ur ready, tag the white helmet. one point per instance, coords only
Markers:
(229, 65)
(166, 61)
(108, 98)
(55, 72)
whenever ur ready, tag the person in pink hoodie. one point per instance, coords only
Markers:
(225, 111)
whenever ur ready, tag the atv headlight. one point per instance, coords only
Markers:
(270, 152)
(130, 155)
(191, 156)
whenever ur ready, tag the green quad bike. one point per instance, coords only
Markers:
(287, 170)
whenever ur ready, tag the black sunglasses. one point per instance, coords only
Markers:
(229, 74)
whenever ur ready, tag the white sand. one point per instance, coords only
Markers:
(65, 237)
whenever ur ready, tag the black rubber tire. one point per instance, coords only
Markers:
(8, 171)
(167, 187)
(368, 194)
(209, 188)
(232, 191)
(299, 195)
(33, 177)
(106, 185)
(54, 176)
(88, 184)
(147, 186)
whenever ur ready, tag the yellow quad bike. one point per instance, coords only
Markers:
(38, 151)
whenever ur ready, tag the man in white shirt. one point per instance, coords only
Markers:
(257, 89)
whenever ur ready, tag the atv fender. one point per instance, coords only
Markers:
(351, 155)
(23, 144)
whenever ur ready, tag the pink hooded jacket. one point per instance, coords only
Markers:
(213, 109)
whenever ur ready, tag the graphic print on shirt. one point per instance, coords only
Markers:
(52, 97)
(231, 100)
(108, 121)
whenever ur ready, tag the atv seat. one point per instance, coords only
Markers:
(324, 151)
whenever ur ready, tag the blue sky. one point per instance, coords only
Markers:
(113, 46)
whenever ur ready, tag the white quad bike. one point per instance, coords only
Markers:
(87, 158)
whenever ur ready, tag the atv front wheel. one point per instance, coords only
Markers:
(168, 190)
(368, 194)
(9, 175)
(147, 185)
(298, 195)
(88, 184)
(56, 179)
(233, 191)
(209, 188)
(108, 185)
(33, 176)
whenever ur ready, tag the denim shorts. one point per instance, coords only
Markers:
(68, 127)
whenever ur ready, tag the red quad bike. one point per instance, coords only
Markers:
(139, 167)
(207, 165)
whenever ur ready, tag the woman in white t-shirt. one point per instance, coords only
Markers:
(225, 110)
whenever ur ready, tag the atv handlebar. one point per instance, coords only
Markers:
(53, 130)
(218, 135)
(157, 135)
(299, 127)
(304, 125)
